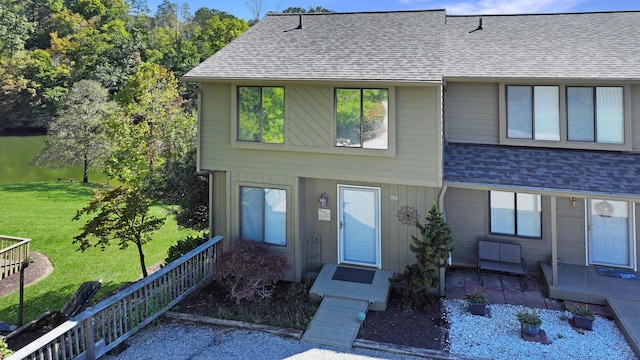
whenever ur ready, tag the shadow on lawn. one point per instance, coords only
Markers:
(54, 190)
(51, 300)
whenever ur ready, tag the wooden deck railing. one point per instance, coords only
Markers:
(104, 326)
(13, 252)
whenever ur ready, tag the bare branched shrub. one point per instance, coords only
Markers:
(249, 270)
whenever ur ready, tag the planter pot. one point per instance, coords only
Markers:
(478, 309)
(582, 322)
(530, 330)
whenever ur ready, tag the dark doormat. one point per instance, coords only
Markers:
(361, 276)
(617, 273)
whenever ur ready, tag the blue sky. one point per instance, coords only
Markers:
(241, 9)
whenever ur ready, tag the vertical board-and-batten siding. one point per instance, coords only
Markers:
(309, 115)
(290, 184)
(395, 236)
(468, 215)
(472, 113)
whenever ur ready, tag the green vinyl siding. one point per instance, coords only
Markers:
(395, 236)
(308, 150)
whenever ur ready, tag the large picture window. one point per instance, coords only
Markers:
(362, 118)
(261, 114)
(263, 215)
(516, 214)
(533, 112)
(595, 114)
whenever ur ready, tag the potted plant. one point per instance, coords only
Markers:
(477, 300)
(529, 322)
(582, 316)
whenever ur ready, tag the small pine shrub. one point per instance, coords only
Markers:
(184, 246)
(432, 249)
(249, 270)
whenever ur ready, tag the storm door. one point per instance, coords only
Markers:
(359, 225)
(610, 233)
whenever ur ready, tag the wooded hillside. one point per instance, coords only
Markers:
(49, 45)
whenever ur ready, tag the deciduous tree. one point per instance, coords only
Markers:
(156, 128)
(78, 134)
(121, 214)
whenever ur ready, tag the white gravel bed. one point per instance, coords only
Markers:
(200, 342)
(498, 336)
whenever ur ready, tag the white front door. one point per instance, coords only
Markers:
(359, 225)
(610, 233)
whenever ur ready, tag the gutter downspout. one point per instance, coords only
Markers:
(198, 91)
(443, 191)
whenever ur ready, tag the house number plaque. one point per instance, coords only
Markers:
(324, 215)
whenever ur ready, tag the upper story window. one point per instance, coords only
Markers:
(516, 214)
(261, 114)
(362, 118)
(263, 215)
(533, 112)
(569, 116)
(595, 114)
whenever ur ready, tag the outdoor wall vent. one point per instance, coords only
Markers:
(480, 27)
(300, 24)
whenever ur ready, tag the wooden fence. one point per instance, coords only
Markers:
(104, 326)
(13, 252)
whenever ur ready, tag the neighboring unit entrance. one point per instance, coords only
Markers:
(359, 225)
(610, 230)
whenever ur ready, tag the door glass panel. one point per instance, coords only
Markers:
(610, 233)
(359, 225)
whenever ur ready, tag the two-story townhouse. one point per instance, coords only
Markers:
(317, 130)
(542, 142)
(324, 136)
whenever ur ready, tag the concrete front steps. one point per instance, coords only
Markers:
(336, 322)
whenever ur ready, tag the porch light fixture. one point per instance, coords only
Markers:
(324, 200)
(573, 201)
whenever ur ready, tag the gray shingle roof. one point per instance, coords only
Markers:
(568, 46)
(541, 168)
(386, 46)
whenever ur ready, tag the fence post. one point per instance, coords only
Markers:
(89, 338)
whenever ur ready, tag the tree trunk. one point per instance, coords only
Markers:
(85, 174)
(141, 255)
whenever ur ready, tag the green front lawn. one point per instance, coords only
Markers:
(42, 211)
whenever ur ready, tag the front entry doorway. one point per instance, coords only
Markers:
(359, 225)
(610, 233)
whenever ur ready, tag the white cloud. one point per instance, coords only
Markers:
(471, 7)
